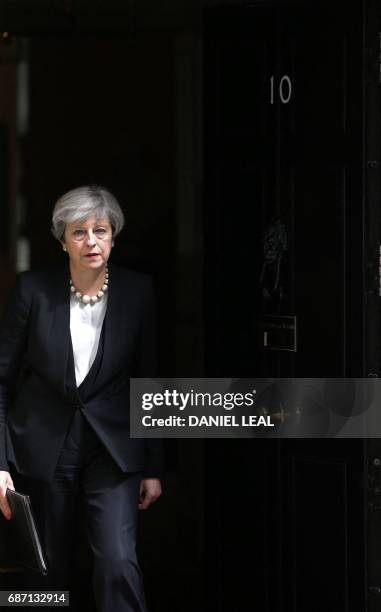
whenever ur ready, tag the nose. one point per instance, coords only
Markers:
(91, 238)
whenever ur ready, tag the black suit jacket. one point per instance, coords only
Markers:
(36, 406)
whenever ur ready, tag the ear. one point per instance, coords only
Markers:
(63, 245)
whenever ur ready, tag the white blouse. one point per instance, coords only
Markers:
(86, 322)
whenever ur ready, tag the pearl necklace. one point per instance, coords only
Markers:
(86, 299)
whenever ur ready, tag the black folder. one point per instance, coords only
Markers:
(20, 545)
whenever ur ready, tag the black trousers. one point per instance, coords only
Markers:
(87, 474)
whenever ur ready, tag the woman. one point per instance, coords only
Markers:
(71, 340)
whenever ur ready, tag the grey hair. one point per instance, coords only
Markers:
(80, 203)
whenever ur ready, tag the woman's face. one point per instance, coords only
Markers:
(88, 242)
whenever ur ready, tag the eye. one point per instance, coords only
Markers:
(100, 231)
(78, 233)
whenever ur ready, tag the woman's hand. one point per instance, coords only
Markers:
(150, 490)
(5, 483)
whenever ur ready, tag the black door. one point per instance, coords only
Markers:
(292, 192)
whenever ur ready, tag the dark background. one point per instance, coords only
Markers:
(168, 103)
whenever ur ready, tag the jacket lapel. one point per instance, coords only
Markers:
(121, 327)
(114, 327)
(60, 331)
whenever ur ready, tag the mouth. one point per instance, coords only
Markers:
(92, 255)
